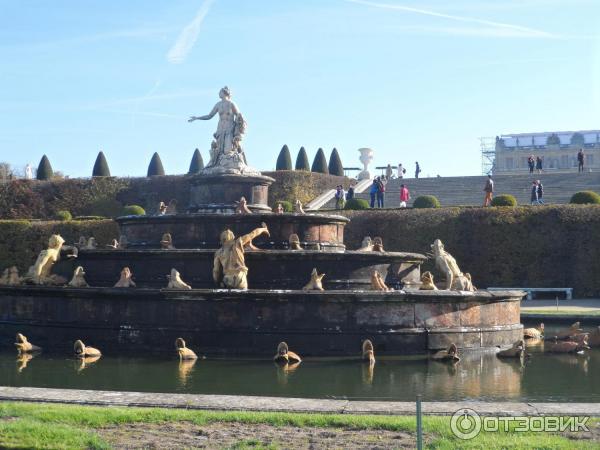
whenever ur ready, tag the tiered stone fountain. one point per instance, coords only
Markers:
(228, 321)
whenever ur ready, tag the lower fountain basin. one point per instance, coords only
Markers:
(126, 320)
(273, 269)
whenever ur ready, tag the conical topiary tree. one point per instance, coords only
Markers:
(302, 160)
(320, 162)
(197, 163)
(335, 164)
(44, 171)
(101, 166)
(155, 168)
(284, 160)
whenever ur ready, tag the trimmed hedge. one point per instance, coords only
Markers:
(197, 163)
(555, 246)
(335, 164)
(133, 210)
(319, 164)
(21, 240)
(298, 184)
(302, 160)
(155, 168)
(284, 160)
(44, 170)
(426, 201)
(357, 204)
(101, 166)
(585, 198)
(504, 200)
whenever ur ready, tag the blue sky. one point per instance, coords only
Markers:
(414, 80)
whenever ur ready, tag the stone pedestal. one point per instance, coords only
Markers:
(219, 193)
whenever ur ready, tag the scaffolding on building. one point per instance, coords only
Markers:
(488, 155)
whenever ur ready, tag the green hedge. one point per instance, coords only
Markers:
(504, 200)
(356, 204)
(426, 201)
(63, 215)
(134, 210)
(21, 240)
(585, 198)
(298, 184)
(555, 246)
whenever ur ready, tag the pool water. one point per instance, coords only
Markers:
(479, 376)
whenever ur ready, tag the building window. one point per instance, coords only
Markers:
(509, 163)
(564, 162)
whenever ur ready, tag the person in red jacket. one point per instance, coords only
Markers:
(404, 196)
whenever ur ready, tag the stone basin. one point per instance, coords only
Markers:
(272, 269)
(203, 230)
(253, 322)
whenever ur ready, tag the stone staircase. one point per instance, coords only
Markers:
(468, 191)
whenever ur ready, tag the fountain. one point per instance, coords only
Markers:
(351, 296)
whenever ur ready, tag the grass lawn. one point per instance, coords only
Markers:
(37, 425)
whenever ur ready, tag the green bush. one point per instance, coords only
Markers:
(134, 210)
(287, 206)
(504, 200)
(44, 170)
(426, 201)
(335, 164)
(585, 198)
(320, 163)
(63, 215)
(101, 166)
(356, 204)
(302, 160)
(284, 160)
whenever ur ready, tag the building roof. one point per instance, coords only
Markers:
(541, 139)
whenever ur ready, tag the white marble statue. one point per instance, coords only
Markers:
(226, 153)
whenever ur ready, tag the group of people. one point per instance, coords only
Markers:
(377, 191)
(341, 196)
(535, 163)
(537, 192)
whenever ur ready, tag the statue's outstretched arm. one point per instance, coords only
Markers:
(247, 238)
(209, 116)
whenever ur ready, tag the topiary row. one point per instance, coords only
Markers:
(319, 165)
(101, 169)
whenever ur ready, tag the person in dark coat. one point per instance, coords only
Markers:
(540, 192)
(534, 193)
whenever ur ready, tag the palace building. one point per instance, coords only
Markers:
(558, 151)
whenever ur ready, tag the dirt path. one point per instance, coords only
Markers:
(234, 435)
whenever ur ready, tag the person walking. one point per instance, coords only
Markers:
(531, 163)
(538, 164)
(534, 193)
(388, 172)
(404, 196)
(373, 192)
(580, 160)
(340, 197)
(417, 169)
(489, 191)
(380, 192)
(540, 192)
(401, 171)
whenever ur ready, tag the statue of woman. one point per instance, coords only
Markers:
(230, 129)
